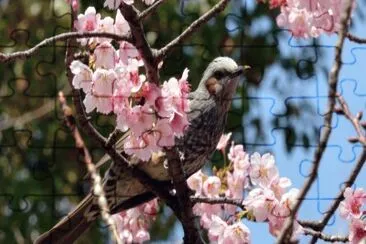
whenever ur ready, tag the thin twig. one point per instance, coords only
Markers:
(356, 39)
(113, 137)
(19, 238)
(309, 224)
(355, 120)
(150, 9)
(131, 14)
(61, 37)
(97, 184)
(327, 238)
(219, 200)
(219, 7)
(333, 80)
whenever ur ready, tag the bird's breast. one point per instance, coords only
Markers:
(200, 139)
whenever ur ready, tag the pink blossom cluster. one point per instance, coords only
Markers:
(309, 18)
(352, 208)
(255, 179)
(91, 21)
(133, 224)
(153, 115)
(114, 4)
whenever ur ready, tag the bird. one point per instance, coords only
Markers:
(208, 111)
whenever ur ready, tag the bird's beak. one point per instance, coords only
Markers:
(240, 70)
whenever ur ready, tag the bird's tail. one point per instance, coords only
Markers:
(70, 227)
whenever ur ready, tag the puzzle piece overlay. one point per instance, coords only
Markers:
(279, 108)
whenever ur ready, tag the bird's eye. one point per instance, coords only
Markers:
(219, 75)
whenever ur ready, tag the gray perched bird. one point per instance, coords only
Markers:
(209, 106)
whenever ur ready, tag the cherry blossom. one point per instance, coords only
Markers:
(135, 79)
(174, 99)
(220, 232)
(164, 132)
(101, 95)
(105, 56)
(276, 224)
(279, 185)
(217, 228)
(105, 25)
(263, 169)
(139, 119)
(121, 26)
(195, 182)
(150, 92)
(179, 123)
(357, 231)
(221, 145)
(126, 51)
(283, 208)
(211, 186)
(88, 21)
(133, 224)
(82, 76)
(238, 156)
(309, 18)
(143, 146)
(237, 233)
(237, 181)
(260, 202)
(264, 200)
(153, 115)
(350, 207)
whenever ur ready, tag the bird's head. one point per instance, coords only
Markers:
(221, 78)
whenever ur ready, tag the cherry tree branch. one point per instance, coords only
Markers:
(327, 238)
(131, 14)
(219, 7)
(113, 137)
(83, 150)
(186, 216)
(150, 9)
(356, 39)
(333, 80)
(219, 200)
(355, 120)
(61, 37)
